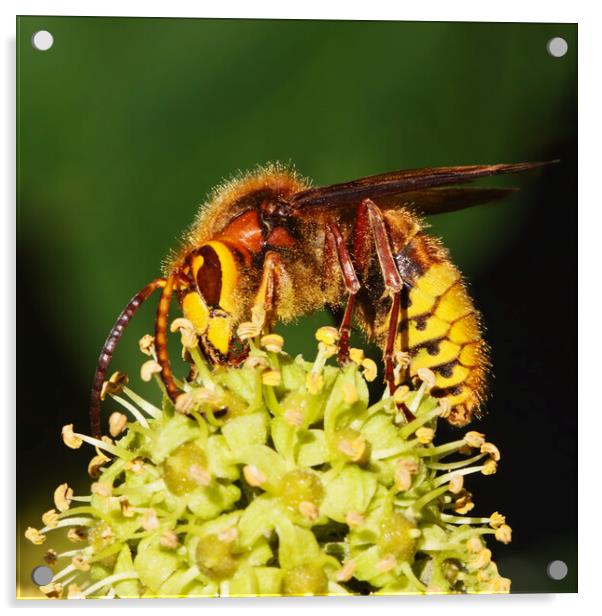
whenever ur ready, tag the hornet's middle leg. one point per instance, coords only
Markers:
(336, 244)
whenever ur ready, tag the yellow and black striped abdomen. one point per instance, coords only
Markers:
(439, 327)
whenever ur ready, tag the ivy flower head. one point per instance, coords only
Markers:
(278, 477)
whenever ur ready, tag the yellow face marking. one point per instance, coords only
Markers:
(229, 268)
(220, 333)
(435, 328)
(458, 376)
(196, 311)
(454, 304)
(197, 262)
(438, 279)
(465, 330)
(447, 351)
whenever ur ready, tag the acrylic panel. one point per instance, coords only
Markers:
(323, 387)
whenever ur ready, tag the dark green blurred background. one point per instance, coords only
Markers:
(124, 125)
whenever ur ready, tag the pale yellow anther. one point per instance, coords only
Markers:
(253, 476)
(107, 534)
(403, 479)
(356, 355)
(126, 509)
(456, 484)
(490, 467)
(474, 439)
(50, 557)
(77, 533)
(62, 497)
(354, 519)
(80, 563)
(115, 384)
(147, 344)
(444, 408)
(96, 464)
(401, 394)
(149, 369)
(150, 521)
(186, 403)
(136, 465)
(354, 448)
(388, 563)
(190, 401)
(328, 335)
(74, 592)
(54, 590)
(503, 534)
(101, 488)
(484, 575)
(402, 359)
(272, 343)
(345, 573)
(188, 335)
(254, 361)
(496, 519)
(500, 584)
(228, 535)
(35, 536)
(370, 369)
(427, 376)
(309, 510)
(71, 439)
(350, 393)
(474, 545)
(464, 508)
(425, 435)
(314, 383)
(169, 539)
(481, 560)
(249, 329)
(492, 450)
(50, 518)
(271, 378)
(463, 503)
(199, 474)
(294, 417)
(409, 464)
(117, 423)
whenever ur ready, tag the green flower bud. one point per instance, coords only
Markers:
(215, 558)
(300, 491)
(396, 537)
(185, 470)
(305, 580)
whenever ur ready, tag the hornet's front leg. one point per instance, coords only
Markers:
(262, 312)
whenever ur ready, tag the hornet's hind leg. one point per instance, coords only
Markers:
(393, 285)
(369, 226)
